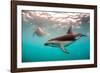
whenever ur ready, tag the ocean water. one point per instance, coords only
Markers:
(34, 50)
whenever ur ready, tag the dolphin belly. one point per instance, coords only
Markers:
(59, 44)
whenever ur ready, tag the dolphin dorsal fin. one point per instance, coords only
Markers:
(70, 30)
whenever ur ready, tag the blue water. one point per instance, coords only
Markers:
(34, 50)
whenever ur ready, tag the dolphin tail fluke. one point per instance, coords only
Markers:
(63, 49)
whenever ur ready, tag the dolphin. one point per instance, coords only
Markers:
(60, 41)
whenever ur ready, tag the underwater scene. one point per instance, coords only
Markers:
(55, 36)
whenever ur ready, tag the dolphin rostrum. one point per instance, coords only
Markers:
(62, 40)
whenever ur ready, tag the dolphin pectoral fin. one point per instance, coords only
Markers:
(63, 49)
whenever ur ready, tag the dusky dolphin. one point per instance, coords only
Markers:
(60, 41)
